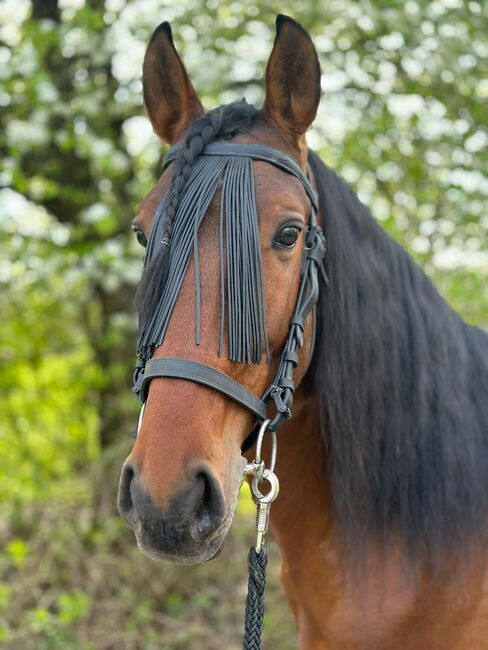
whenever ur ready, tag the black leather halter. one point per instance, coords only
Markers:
(282, 389)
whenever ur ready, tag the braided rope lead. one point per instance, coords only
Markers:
(253, 621)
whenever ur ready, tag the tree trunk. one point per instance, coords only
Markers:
(45, 9)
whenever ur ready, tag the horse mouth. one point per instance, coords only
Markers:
(178, 548)
(189, 527)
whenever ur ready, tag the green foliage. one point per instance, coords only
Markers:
(72, 606)
(83, 586)
(403, 119)
(5, 592)
(54, 629)
(17, 550)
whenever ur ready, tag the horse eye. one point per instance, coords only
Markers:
(287, 237)
(141, 237)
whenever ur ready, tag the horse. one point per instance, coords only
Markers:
(382, 516)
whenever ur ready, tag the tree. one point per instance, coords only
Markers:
(402, 119)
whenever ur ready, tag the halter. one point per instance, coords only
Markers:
(281, 391)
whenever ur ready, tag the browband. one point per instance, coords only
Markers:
(256, 152)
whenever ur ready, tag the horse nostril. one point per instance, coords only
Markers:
(125, 503)
(209, 504)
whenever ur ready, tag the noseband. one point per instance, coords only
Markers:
(280, 392)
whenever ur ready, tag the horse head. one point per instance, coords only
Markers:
(180, 483)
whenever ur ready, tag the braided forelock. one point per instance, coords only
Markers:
(221, 123)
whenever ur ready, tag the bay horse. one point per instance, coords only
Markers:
(382, 516)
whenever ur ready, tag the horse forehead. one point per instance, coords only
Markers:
(269, 179)
(277, 190)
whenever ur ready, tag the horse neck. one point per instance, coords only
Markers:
(328, 597)
(339, 606)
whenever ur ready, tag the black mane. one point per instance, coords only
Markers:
(402, 386)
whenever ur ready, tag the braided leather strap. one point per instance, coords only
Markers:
(282, 390)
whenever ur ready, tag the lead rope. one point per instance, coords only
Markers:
(253, 621)
(258, 554)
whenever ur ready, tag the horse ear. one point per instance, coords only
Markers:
(292, 78)
(170, 99)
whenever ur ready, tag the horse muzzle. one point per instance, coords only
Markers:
(191, 527)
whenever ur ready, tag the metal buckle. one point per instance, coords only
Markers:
(276, 393)
(138, 377)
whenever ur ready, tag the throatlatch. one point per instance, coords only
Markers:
(243, 311)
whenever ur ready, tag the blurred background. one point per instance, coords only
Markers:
(403, 120)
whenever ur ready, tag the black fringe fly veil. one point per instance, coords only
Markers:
(174, 237)
(400, 381)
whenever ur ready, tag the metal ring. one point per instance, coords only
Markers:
(272, 479)
(259, 444)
